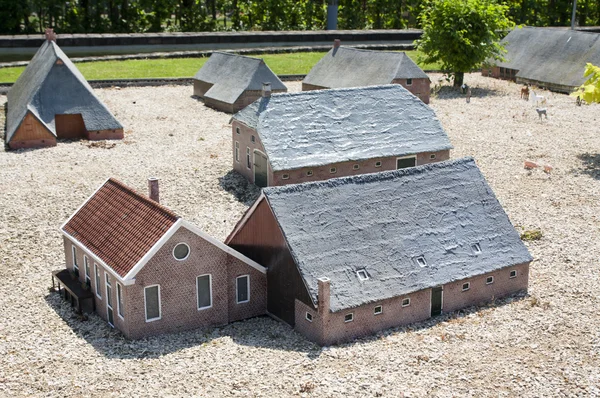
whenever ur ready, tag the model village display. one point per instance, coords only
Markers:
(364, 222)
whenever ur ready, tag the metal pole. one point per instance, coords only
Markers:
(573, 16)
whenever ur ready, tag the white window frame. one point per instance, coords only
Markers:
(468, 284)
(421, 261)
(97, 281)
(510, 275)
(209, 290)
(355, 166)
(107, 286)
(351, 314)
(308, 316)
(407, 300)
(309, 173)
(409, 82)
(378, 163)
(188, 254)
(432, 156)
(333, 170)
(237, 151)
(375, 312)
(364, 272)
(159, 305)
(237, 130)
(488, 281)
(248, 158)
(236, 288)
(74, 253)
(407, 157)
(86, 269)
(120, 303)
(476, 248)
(285, 176)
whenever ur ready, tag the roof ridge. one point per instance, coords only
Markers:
(238, 55)
(144, 198)
(341, 89)
(366, 50)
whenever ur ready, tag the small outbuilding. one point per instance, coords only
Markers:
(553, 58)
(351, 67)
(316, 135)
(52, 100)
(230, 82)
(351, 256)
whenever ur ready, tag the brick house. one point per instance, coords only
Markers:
(352, 67)
(146, 271)
(351, 256)
(291, 138)
(52, 100)
(230, 82)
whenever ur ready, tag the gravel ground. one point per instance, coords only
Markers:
(545, 344)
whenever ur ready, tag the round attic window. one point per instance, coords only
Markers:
(181, 251)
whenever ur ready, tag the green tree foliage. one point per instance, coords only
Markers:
(590, 90)
(462, 34)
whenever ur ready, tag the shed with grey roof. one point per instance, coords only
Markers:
(51, 99)
(230, 82)
(379, 243)
(553, 58)
(298, 137)
(351, 67)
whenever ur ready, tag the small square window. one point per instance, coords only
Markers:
(362, 275)
(432, 156)
(513, 273)
(406, 302)
(308, 317)
(333, 170)
(421, 261)
(466, 286)
(285, 176)
(408, 82)
(349, 317)
(237, 130)
(356, 167)
(476, 248)
(489, 280)
(377, 164)
(378, 310)
(253, 139)
(309, 173)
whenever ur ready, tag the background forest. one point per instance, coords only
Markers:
(120, 16)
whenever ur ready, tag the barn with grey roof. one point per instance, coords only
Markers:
(230, 82)
(52, 100)
(351, 256)
(352, 67)
(317, 135)
(553, 58)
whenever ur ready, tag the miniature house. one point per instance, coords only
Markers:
(351, 67)
(229, 82)
(553, 58)
(351, 256)
(316, 135)
(52, 100)
(147, 271)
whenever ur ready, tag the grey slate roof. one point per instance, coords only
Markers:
(48, 89)
(382, 222)
(350, 67)
(314, 128)
(233, 74)
(551, 55)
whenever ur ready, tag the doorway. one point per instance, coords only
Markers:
(70, 127)
(437, 298)
(260, 169)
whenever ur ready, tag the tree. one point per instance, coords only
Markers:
(462, 34)
(590, 90)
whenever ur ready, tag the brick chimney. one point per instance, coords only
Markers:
(153, 189)
(266, 90)
(50, 35)
(337, 43)
(324, 295)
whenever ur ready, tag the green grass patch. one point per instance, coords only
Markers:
(281, 64)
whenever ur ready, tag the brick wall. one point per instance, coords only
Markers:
(419, 87)
(310, 87)
(244, 138)
(114, 134)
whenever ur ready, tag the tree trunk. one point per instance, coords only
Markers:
(459, 78)
(213, 9)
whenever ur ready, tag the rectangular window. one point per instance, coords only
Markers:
(309, 317)
(333, 170)
(204, 291)
(466, 286)
(152, 302)
(253, 139)
(489, 280)
(237, 151)
(120, 309)
(97, 280)
(378, 310)
(285, 177)
(406, 302)
(377, 164)
(513, 273)
(248, 164)
(409, 82)
(309, 173)
(86, 267)
(349, 317)
(74, 251)
(109, 305)
(237, 130)
(356, 167)
(432, 156)
(404, 162)
(242, 289)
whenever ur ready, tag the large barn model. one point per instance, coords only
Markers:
(51, 99)
(351, 256)
(553, 58)
(351, 67)
(317, 135)
(147, 271)
(229, 82)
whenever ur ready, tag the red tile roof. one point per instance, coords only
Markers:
(119, 225)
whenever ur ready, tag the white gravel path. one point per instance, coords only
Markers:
(547, 344)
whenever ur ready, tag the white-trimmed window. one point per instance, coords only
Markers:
(432, 156)
(489, 280)
(333, 170)
(97, 281)
(309, 173)
(355, 166)
(308, 317)
(406, 302)
(242, 289)
(181, 251)
(237, 151)
(513, 273)
(285, 176)
(248, 162)
(237, 130)
(421, 261)
(362, 274)
(466, 286)
(86, 268)
(409, 82)
(152, 303)
(476, 248)
(120, 305)
(349, 317)
(74, 252)
(204, 291)
(378, 310)
(109, 304)
(378, 164)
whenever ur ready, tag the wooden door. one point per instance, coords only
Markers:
(436, 300)
(70, 126)
(260, 169)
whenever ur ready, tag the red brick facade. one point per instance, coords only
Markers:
(500, 73)
(242, 137)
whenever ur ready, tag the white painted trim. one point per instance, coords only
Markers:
(247, 286)
(74, 257)
(488, 277)
(355, 166)
(285, 176)
(186, 256)
(109, 307)
(362, 278)
(245, 218)
(411, 81)
(307, 315)
(476, 248)
(407, 304)
(332, 170)
(375, 310)
(198, 292)
(159, 305)
(119, 306)
(407, 157)
(86, 266)
(351, 319)
(236, 151)
(510, 276)
(248, 159)
(97, 281)
(464, 289)
(380, 163)
(254, 164)
(62, 227)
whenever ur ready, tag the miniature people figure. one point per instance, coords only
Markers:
(468, 94)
